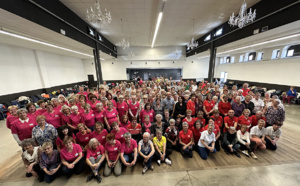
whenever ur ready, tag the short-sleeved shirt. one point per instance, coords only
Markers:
(122, 108)
(172, 133)
(94, 153)
(65, 119)
(70, 156)
(218, 121)
(89, 119)
(257, 132)
(257, 105)
(53, 118)
(244, 121)
(190, 123)
(76, 119)
(111, 116)
(230, 122)
(144, 113)
(40, 111)
(208, 105)
(160, 143)
(57, 108)
(124, 125)
(23, 128)
(146, 147)
(100, 137)
(49, 134)
(120, 135)
(207, 138)
(113, 151)
(10, 120)
(271, 133)
(128, 150)
(32, 115)
(83, 140)
(99, 116)
(134, 130)
(186, 137)
(134, 107)
(255, 120)
(197, 133)
(59, 142)
(216, 129)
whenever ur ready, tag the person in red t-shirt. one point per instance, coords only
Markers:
(12, 117)
(245, 89)
(94, 157)
(208, 106)
(135, 130)
(201, 118)
(122, 107)
(197, 130)
(218, 119)
(245, 119)
(191, 104)
(258, 115)
(186, 140)
(100, 133)
(224, 106)
(230, 121)
(189, 120)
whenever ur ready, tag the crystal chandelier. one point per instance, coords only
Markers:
(193, 43)
(95, 16)
(177, 52)
(243, 18)
(123, 43)
(131, 54)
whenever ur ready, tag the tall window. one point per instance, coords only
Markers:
(241, 58)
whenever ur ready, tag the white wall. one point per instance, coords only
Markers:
(23, 69)
(117, 71)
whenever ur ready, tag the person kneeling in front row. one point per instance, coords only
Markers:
(146, 151)
(186, 140)
(229, 143)
(207, 141)
(129, 151)
(273, 134)
(112, 154)
(161, 151)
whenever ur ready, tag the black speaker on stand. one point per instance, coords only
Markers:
(91, 82)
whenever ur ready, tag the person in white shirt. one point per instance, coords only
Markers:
(258, 103)
(243, 138)
(273, 134)
(207, 142)
(257, 134)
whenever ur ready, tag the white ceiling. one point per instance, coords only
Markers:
(176, 29)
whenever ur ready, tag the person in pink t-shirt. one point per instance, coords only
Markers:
(83, 136)
(52, 116)
(94, 157)
(110, 115)
(56, 106)
(81, 105)
(82, 92)
(110, 98)
(99, 113)
(124, 122)
(12, 117)
(133, 108)
(147, 111)
(30, 107)
(65, 115)
(118, 132)
(43, 109)
(71, 158)
(112, 155)
(129, 151)
(93, 102)
(75, 118)
(122, 107)
(100, 133)
(88, 117)
(63, 133)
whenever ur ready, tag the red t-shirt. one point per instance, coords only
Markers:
(134, 107)
(255, 120)
(122, 108)
(136, 130)
(83, 140)
(186, 138)
(89, 119)
(243, 121)
(111, 116)
(224, 107)
(191, 106)
(190, 123)
(145, 113)
(70, 156)
(197, 134)
(99, 116)
(94, 153)
(218, 121)
(53, 118)
(124, 125)
(128, 150)
(10, 120)
(23, 130)
(113, 151)
(100, 137)
(60, 143)
(40, 111)
(216, 129)
(76, 119)
(245, 91)
(230, 122)
(208, 105)
(120, 135)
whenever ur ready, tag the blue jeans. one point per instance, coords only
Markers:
(204, 152)
(129, 157)
(148, 163)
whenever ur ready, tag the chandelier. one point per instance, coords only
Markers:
(243, 18)
(131, 54)
(193, 43)
(123, 43)
(177, 52)
(95, 16)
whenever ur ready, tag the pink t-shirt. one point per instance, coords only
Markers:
(83, 140)
(128, 150)
(89, 119)
(93, 105)
(70, 156)
(23, 130)
(32, 115)
(53, 118)
(150, 113)
(122, 108)
(40, 111)
(80, 109)
(120, 135)
(111, 116)
(134, 108)
(57, 109)
(10, 120)
(99, 116)
(100, 137)
(60, 143)
(65, 119)
(76, 119)
(124, 125)
(94, 153)
(113, 151)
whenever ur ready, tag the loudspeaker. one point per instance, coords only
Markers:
(91, 82)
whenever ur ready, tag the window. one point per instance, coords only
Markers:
(228, 59)
(207, 38)
(252, 56)
(232, 59)
(276, 54)
(221, 60)
(219, 32)
(241, 58)
(290, 53)
(91, 31)
(246, 57)
(260, 56)
(100, 37)
(293, 51)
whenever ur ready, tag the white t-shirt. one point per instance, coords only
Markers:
(271, 133)
(207, 138)
(257, 132)
(257, 104)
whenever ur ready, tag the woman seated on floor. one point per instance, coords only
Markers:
(206, 142)
(94, 157)
(243, 138)
(257, 134)
(49, 162)
(229, 143)
(71, 158)
(186, 140)
(63, 133)
(129, 151)
(273, 134)
(146, 151)
(30, 158)
(161, 152)
(171, 134)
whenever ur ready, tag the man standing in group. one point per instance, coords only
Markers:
(168, 103)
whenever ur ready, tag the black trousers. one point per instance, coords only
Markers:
(244, 147)
(157, 155)
(78, 168)
(269, 144)
(173, 147)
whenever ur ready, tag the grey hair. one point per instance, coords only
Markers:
(277, 100)
(127, 134)
(21, 110)
(259, 112)
(74, 107)
(60, 95)
(238, 97)
(64, 107)
(99, 104)
(158, 115)
(211, 125)
(92, 142)
(275, 97)
(26, 142)
(172, 121)
(146, 133)
(185, 123)
(268, 93)
(54, 99)
(240, 90)
(104, 99)
(47, 144)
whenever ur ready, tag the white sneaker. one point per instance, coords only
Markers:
(168, 162)
(145, 169)
(245, 152)
(158, 162)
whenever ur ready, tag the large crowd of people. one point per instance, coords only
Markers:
(143, 122)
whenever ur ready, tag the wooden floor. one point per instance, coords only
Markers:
(288, 152)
